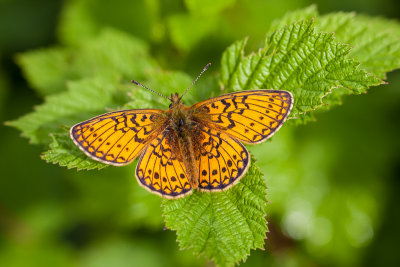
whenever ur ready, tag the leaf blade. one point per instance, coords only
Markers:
(222, 226)
(66, 154)
(300, 60)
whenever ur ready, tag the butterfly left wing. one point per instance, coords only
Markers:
(117, 138)
(222, 161)
(160, 170)
(251, 116)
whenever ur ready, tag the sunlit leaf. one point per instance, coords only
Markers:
(298, 59)
(222, 226)
(65, 153)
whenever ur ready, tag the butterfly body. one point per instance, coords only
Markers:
(183, 137)
(186, 147)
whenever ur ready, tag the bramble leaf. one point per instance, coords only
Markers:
(47, 69)
(376, 41)
(299, 60)
(223, 226)
(99, 71)
(83, 97)
(295, 58)
(65, 153)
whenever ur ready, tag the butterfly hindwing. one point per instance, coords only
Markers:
(252, 116)
(117, 138)
(222, 162)
(160, 170)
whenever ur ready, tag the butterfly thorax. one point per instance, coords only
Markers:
(178, 113)
(184, 137)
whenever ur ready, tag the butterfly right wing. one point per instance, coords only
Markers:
(117, 138)
(160, 170)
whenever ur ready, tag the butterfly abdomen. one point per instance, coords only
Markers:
(186, 143)
(189, 159)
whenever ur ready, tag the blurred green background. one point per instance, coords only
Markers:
(334, 184)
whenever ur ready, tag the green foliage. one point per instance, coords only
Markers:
(223, 226)
(375, 41)
(46, 69)
(297, 59)
(100, 70)
(66, 154)
(92, 73)
(89, 95)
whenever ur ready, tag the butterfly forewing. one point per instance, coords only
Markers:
(118, 137)
(251, 116)
(222, 162)
(161, 171)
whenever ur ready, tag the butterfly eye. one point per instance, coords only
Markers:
(170, 105)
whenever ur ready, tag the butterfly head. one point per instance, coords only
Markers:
(175, 98)
(175, 101)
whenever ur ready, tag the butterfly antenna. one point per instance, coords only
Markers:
(138, 83)
(204, 69)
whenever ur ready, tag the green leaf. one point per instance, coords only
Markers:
(46, 69)
(112, 53)
(65, 153)
(296, 59)
(90, 96)
(376, 41)
(222, 226)
(230, 61)
(167, 82)
(163, 82)
(143, 99)
(112, 59)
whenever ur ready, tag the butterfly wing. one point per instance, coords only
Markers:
(117, 138)
(222, 162)
(160, 171)
(252, 116)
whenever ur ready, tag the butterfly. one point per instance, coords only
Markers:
(186, 148)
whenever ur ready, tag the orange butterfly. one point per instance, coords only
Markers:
(186, 148)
